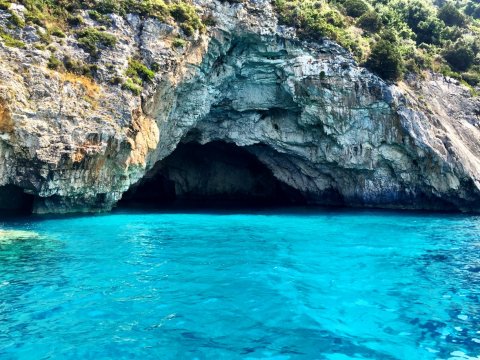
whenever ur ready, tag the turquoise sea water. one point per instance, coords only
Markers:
(280, 285)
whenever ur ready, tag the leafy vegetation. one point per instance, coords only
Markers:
(178, 43)
(355, 8)
(78, 67)
(42, 12)
(100, 18)
(11, 41)
(187, 17)
(137, 73)
(393, 37)
(313, 19)
(131, 86)
(385, 58)
(370, 21)
(58, 17)
(54, 63)
(92, 40)
(55, 31)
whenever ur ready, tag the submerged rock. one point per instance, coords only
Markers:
(323, 126)
(8, 236)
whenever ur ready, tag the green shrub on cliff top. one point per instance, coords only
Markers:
(370, 21)
(451, 16)
(42, 12)
(386, 59)
(460, 56)
(315, 20)
(355, 8)
(425, 31)
(183, 12)
(312, 19)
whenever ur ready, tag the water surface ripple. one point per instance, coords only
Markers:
(271, 285)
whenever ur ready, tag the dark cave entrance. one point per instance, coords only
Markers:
(217, 174)
(14, 201)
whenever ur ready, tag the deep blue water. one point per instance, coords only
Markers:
(285, 285)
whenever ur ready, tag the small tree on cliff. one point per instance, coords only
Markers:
(355, 8)
(451, 16)
(460, 56)
(385, 59)
(370, 21)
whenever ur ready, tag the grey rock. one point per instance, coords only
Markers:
(322, 125)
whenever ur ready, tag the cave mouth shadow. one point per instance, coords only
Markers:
(14, 201)
(215, 175)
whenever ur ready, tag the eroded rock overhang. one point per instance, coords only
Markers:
(323, 126)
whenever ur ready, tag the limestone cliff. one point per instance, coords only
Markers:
(322, 125)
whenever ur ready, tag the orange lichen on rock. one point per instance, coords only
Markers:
(91, 88)
(78, 156)
(6, 121)
(143, 136)
(88, 148)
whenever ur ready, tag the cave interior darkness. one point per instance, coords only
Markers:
(217, 174)
(13, 201)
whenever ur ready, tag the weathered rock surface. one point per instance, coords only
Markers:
(323, 126)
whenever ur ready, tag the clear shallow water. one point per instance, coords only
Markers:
(298, 285)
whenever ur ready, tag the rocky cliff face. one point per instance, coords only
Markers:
(324, 127)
